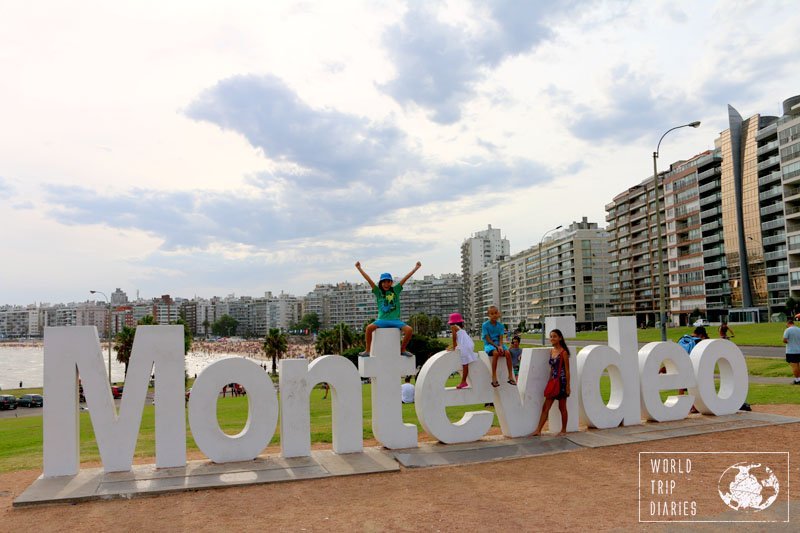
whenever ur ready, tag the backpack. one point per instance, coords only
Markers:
(687, 342)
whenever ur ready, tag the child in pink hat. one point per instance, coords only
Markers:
(464, 344)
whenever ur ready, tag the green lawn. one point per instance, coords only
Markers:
(770, 334)
(22, 437)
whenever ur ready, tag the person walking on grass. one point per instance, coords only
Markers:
(387, 295)
(725, 331)
(492, 333)
(791, 338)
(465, 346)
(559, 369)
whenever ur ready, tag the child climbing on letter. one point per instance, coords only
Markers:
(387, 295)
(463, 343)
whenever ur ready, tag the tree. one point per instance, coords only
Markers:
(327, 342)
(147, 320)
(791, 306)
(123, 345)
(187, 335)
(436, 325)
(275, 345)
(225, 326)
(420, 323)
(206, 325)
(310, 321)
(522, 326)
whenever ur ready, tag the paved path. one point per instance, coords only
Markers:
(142, 480)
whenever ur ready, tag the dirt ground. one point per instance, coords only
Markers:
(590, 488)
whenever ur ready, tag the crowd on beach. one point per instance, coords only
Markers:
(250, 348)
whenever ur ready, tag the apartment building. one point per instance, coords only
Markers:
(633, 252)
(568, 275)
(694, 234)
(788, 134)
(477, 252)
(732, 219)
(354, 303)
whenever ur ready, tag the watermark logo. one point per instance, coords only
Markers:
(749, 487)
(713, 486)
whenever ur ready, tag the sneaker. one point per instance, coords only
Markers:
(796, 382)
(364, 354)
(406, 353)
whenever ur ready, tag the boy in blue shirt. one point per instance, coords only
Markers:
(492, 333)
(387, 295)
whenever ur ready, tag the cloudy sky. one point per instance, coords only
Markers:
(209, 148)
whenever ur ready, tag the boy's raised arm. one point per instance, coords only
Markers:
(416, 267)
(366, 277)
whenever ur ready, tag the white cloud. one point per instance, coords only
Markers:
(395, 150)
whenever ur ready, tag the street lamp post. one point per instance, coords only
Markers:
(661, 297)
(108, 303)
(541, 277)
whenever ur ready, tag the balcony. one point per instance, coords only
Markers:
(713, 185)
(769, 178)
(771, 193)
(710, 213)
(775, 239)
(770, 146)
(716, 265)
(775, 255)
(791, 191)
(773, 224)
(712, 239)
(775, 271)
(774, 160)
(710, 199)
(719, 278)
(780, 286)
(713, 252)
(777, 207)
(711, 226)
(707, 173)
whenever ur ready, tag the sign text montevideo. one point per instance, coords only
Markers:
(634, 375)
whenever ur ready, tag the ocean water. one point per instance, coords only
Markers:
(26, 364)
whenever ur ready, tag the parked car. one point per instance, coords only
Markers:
(31, 400)
(601, 327)
(702, 322)
(8, 401)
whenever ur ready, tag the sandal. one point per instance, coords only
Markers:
(462, 386)
(510, 382)
(495, 384)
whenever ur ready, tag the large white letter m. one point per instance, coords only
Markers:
(69, 351)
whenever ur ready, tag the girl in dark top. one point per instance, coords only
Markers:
(559, 368)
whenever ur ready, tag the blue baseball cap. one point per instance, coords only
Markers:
(386, 276)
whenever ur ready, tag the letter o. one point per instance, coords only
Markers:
(262, 410)
(733, 378)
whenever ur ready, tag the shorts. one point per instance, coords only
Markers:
(489, 349)
(793, 357)
(399, 324)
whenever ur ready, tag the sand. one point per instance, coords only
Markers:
(589, 488)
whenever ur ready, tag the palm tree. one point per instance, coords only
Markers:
(275, 345)
(123, 344)
(327, 342)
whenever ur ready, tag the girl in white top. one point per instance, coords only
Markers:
(464, 344)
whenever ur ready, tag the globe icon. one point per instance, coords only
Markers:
(749, 487)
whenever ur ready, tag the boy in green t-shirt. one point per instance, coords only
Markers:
(387, 295)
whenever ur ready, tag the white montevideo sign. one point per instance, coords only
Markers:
(635, 395)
